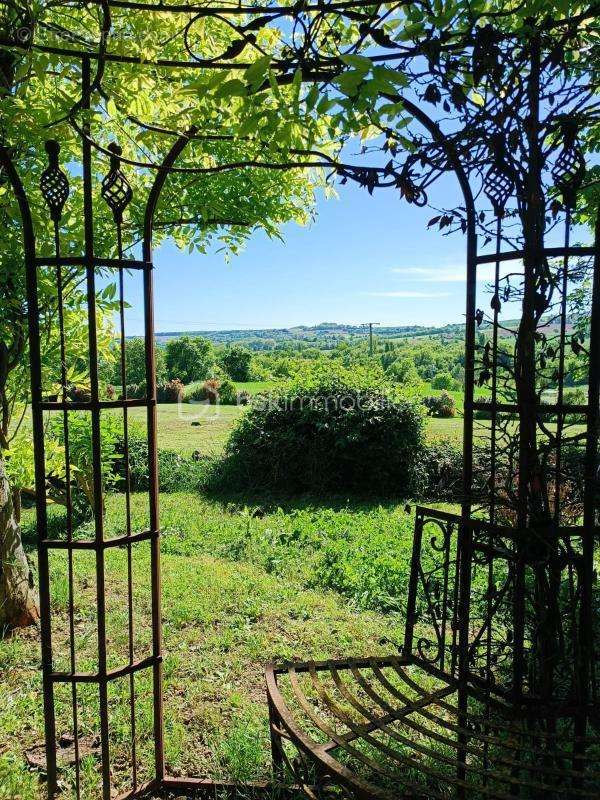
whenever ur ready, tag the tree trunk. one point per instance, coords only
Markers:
(18, 600)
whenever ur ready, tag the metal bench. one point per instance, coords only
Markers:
(451, 715)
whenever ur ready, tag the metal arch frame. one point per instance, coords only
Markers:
(89, 259)
(103, 677)
(91, 262)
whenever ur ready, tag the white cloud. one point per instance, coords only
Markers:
(450, 273)
(410, 295)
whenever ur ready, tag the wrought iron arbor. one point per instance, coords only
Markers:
(494, 692)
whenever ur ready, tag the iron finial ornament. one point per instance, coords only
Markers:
(54, 184)
(116, 189)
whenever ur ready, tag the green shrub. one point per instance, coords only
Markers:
(403, 371)
(170, 392)
(442, 405)
(195, 393)
(444, 380)
(188, 358)
(442, 463)
(236, 361)
(227, 393)
(333, 434)
(213, 390)
(135, 362)
(81, 454)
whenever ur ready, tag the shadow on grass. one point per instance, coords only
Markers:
(270, 500)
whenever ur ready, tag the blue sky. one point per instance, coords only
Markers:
(364, 259)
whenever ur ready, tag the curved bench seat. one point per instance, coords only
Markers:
(392, 728)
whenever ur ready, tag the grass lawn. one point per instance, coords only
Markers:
(176, 431)
(444, 429)
(244, 581)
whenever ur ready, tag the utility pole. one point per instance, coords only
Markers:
(370, 326)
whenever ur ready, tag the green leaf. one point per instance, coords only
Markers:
(232, 88)
(348, 82)
(325, 105)
(392, 76)
(256, 73)
(360, 63)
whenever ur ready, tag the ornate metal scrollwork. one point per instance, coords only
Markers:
(498, 184)
(569, 168)
(54, 184)
(116, 189)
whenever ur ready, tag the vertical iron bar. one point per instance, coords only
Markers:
(153, 197)
(525, 366)
(96, 432)
(493, 468)
(154, 521)
(131, 632)
(465, 532)
(444, 622)
(586, 665)
(561, 370)
(69, 502)
(411, 609)
(494, 407)
(455, 609)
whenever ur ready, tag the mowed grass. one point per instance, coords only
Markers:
(190, 427)
(198, 427)
(243, 583)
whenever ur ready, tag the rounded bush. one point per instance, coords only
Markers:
(213, 390)
(170, 392)
(442, 405)
(227, 393)
(444, 380)
(196, 393)
(332, 436)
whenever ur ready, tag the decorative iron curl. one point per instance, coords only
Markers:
(424, 648)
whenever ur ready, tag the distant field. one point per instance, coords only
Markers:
(256, 387)
(444, 428)
(252, 387)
